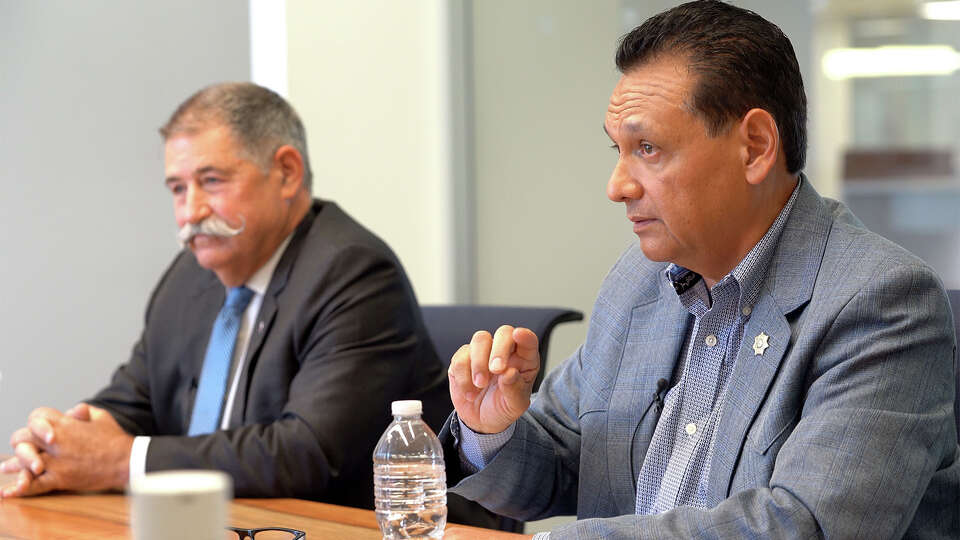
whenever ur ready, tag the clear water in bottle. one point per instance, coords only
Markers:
(409, 481)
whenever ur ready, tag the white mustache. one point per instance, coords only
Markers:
(212, 226)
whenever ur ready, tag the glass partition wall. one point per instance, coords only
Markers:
(886, 119)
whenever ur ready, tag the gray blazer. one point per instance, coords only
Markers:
(843, 428)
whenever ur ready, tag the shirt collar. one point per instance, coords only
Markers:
(751, 270)
(681, 278)
(260, 279)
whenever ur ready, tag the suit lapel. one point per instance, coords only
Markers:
(787, 286)
(651, 349)
(752, 375)
(268, 312)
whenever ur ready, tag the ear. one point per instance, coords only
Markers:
(760, 143)
(289, 162)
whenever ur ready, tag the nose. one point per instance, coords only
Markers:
(195, 206)
(622, 186)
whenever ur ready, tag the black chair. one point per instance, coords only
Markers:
(452, 326)
(955, 306)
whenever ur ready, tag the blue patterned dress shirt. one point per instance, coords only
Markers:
(676, 467)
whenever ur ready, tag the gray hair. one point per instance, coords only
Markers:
(259, 117)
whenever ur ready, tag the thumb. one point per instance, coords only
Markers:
(97, 414)
(80, 411)
(515, 391)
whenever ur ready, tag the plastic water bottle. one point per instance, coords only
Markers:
(409, 481)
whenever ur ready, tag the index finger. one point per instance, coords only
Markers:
(24, 435)
(459, 375)
(41, 428)
(41, 421)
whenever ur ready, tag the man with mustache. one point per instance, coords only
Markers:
(273, 345)
(758, 364)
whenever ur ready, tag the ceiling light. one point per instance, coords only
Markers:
(941, 11)
(891, 61)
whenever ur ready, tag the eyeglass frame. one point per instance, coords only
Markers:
(251, 533)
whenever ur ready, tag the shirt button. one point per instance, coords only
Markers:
(746, 311)
(710, 340)
(691, 428)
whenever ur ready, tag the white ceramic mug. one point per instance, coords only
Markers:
(188, 505)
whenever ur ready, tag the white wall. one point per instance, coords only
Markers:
(372, 81)
(86, 224)
(512, 208)
(546, 234)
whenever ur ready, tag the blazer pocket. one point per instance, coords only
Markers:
(760, 452)
(771, 432)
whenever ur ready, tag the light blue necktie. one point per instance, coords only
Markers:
(216, 364)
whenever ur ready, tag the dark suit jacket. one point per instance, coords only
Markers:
(338, 337)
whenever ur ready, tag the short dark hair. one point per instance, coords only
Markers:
(742, 61)
(260, 118)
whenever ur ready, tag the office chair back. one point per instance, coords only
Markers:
(452, 326)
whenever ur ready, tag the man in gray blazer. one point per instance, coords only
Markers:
(758, 364)
(326, 330)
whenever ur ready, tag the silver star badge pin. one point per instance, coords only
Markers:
(760, 344)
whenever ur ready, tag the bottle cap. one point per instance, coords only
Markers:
(406, 407)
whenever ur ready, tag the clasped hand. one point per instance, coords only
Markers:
(82, 449)
(491, 378)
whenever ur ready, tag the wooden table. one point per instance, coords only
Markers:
(99, 516)
(107, 516)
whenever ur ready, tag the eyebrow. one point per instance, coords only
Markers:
(211, 168)
(632, 127)
(199, 172)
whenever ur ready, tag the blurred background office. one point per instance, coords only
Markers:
(466, 133)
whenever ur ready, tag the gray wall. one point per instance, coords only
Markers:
(86, 225)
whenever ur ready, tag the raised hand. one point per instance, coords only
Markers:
(491, 378)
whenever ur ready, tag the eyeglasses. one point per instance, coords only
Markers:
(267, 533)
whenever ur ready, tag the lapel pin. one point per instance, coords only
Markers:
(760, 344)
